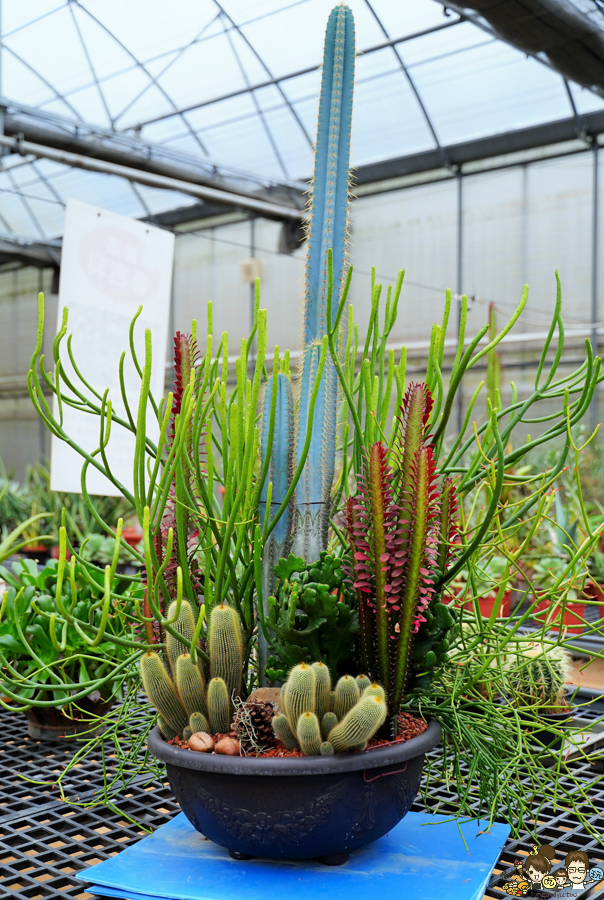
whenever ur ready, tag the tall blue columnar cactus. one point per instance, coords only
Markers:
(305, 530)
(328, 227)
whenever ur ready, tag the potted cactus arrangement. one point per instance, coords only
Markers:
(300, 536)
(536, 679)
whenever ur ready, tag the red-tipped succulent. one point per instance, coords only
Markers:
(400, 530)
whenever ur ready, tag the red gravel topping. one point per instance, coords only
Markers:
(409, 726)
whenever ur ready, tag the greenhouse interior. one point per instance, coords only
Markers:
(301, 458)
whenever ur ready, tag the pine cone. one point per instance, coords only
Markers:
(253, 725)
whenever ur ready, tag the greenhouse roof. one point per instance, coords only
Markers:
(227, 92)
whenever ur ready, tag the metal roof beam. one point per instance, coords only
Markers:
(269, 82)
(115, 147)
(267, 209)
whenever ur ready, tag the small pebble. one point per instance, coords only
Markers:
(202, 742)
(227, 746)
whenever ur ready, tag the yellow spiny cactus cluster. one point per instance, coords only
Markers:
(319, 721)
(185, 702)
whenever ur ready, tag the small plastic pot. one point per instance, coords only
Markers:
(309, 807)
(546, 736)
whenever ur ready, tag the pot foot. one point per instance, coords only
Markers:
(235, 854)
(335, 859)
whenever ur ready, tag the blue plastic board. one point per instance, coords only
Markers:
(423, 858)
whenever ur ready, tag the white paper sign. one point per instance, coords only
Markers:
(110, 265)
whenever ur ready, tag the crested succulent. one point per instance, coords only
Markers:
(305, 726)
(396, 542)
(183, 701)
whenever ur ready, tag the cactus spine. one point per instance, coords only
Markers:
(537, 677)
(329, 721)
(309, 734)
(327, 231)
(323, 688)
(359, 725)
(374, 690)
(185, 625)
(198, 722)
(362, 682)
(161, 692)
(347, 696)
(219, 706)
(226, 648)
(284, 732)
(185, 702)
(189, 685)
(327, 749)
(300, 695)
(165, 729)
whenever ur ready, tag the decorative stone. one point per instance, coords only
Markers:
(227, 746)
(202, 742)
(272, 694)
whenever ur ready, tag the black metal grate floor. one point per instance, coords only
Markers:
(44, 842)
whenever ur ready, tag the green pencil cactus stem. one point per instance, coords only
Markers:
(493, 364)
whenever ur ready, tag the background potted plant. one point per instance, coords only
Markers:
(62, 678)
(535, 682)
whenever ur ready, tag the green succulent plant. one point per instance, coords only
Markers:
(50, 664)
(311, 616)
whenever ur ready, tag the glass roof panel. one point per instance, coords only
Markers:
(489, 90)
(239, 83)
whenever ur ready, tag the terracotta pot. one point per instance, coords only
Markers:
(572, 618)
(132, 536)
(47, 723)
(55, 552)
(487, 603)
